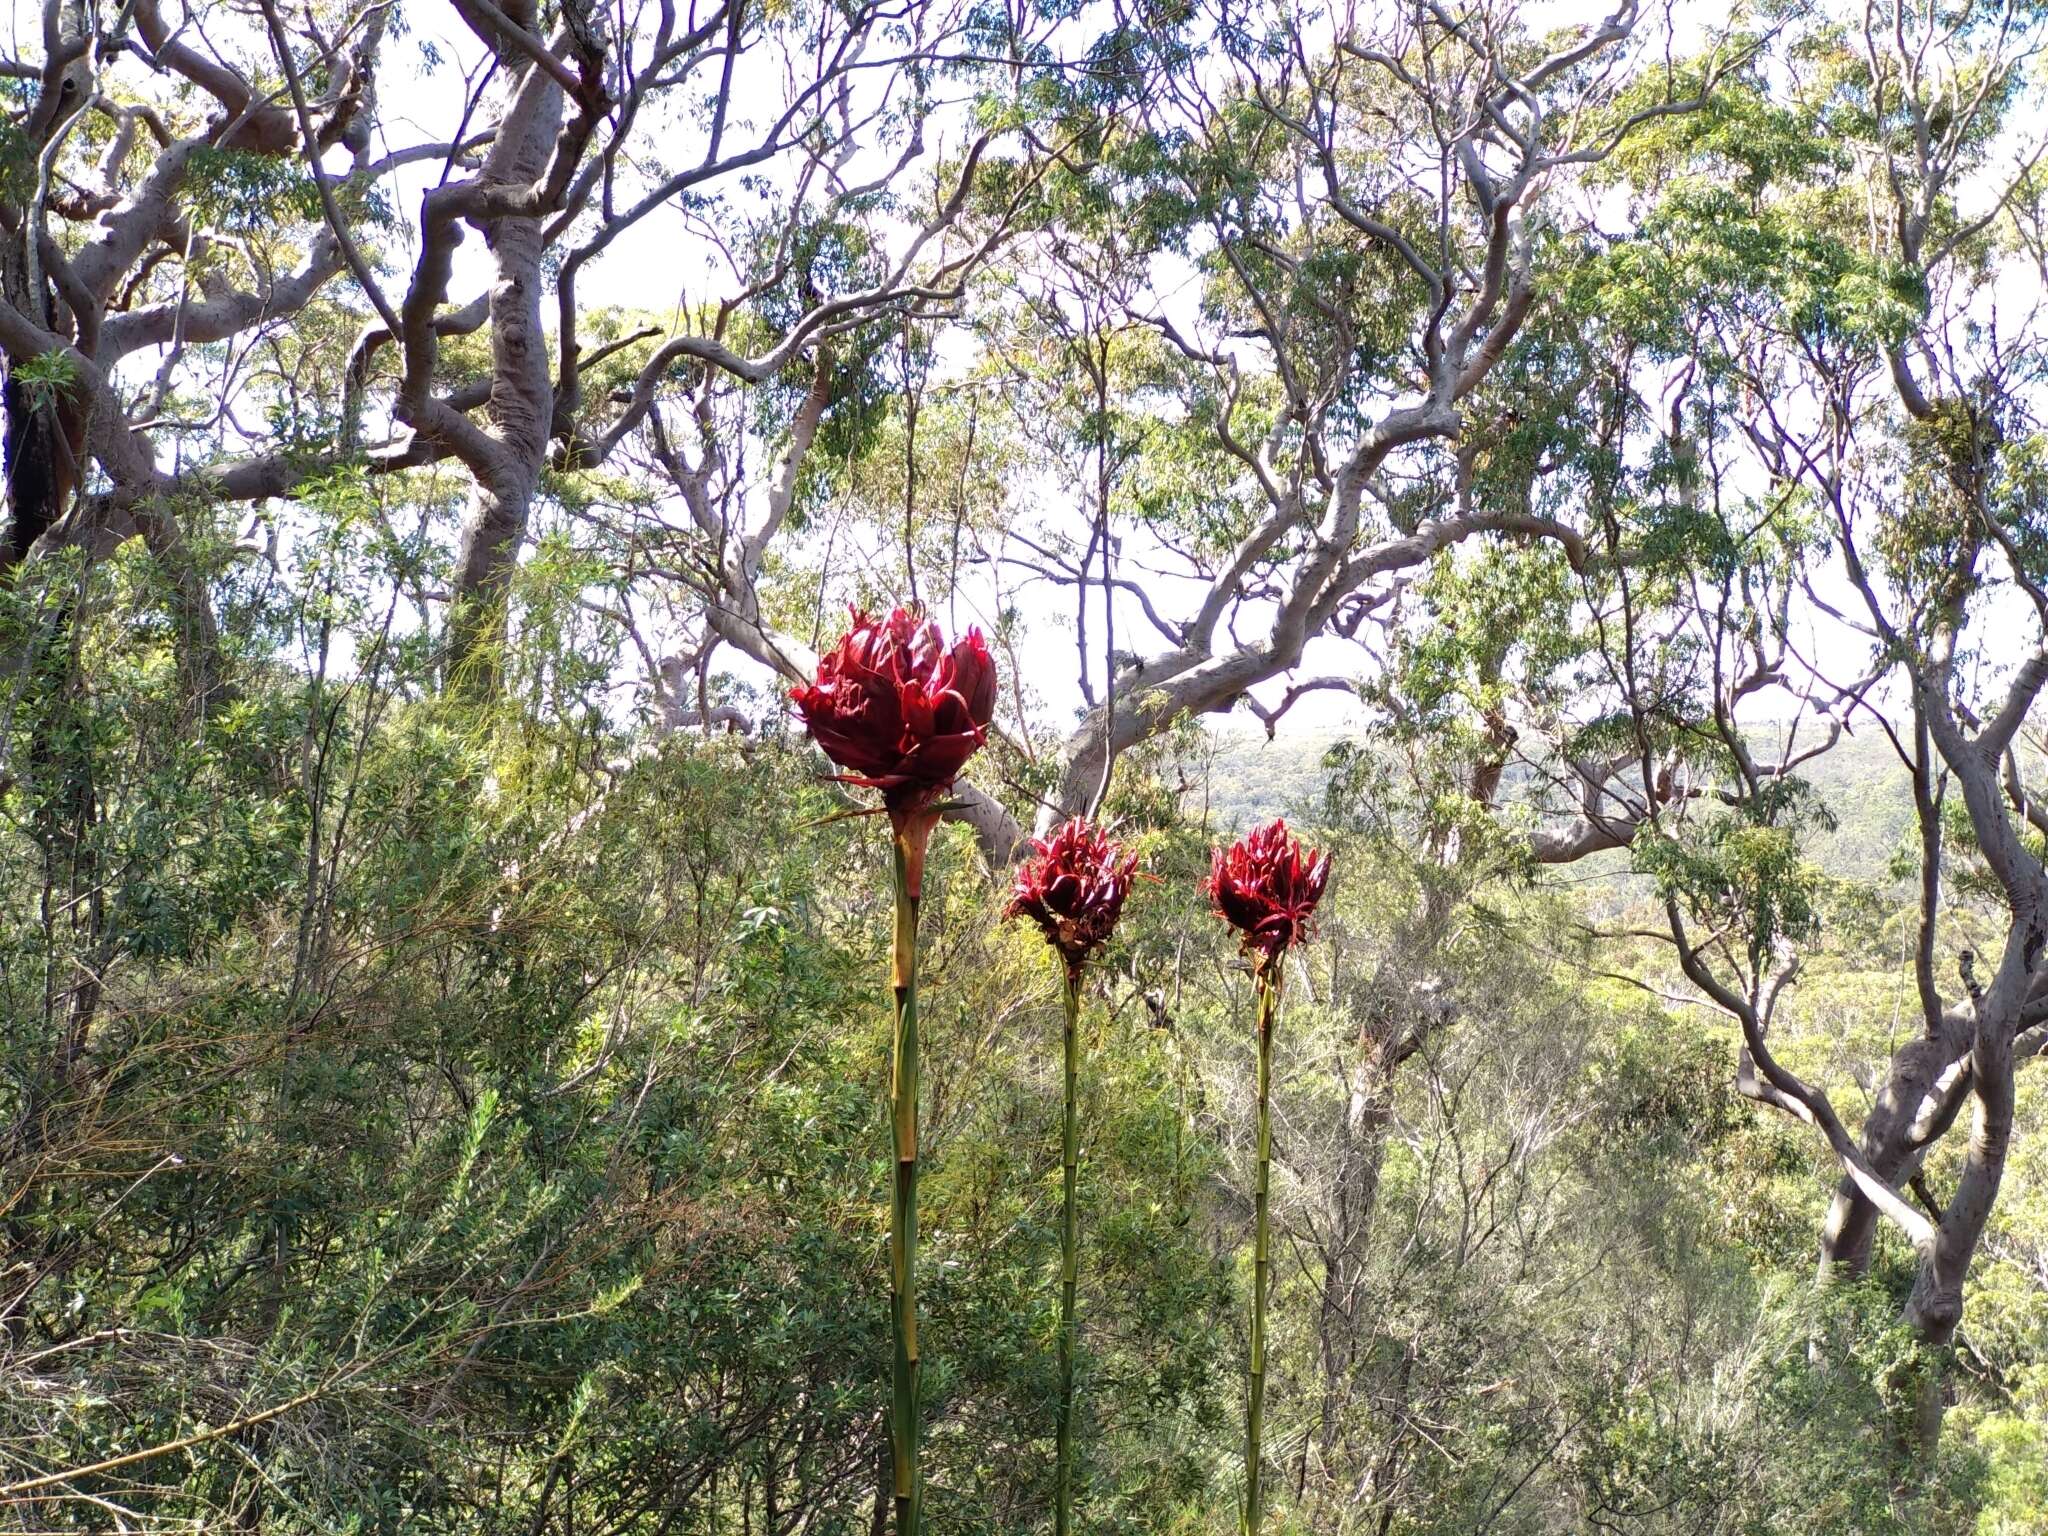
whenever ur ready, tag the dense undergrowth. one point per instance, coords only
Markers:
(425, 1119)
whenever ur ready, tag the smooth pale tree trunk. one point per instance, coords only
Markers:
(522, 400)
(1908, 1114)
(477, 619)
(1935, 1306)
(1921, 1099)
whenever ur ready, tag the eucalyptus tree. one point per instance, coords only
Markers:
(235, 265)
(1905, 411)
(1366, 217)
(1821, 515)
(1785, 453)
(1370, 217)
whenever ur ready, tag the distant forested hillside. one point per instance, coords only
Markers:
(1866, 789)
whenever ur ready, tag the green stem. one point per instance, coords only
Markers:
(1269, 977)
(1070, 1241)
(903, 1416)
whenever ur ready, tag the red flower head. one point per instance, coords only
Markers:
(897, 709)
(1074, 889)
(1266, 885)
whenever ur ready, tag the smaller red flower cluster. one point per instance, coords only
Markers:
(1266, 885)
(1074, 889)
(898, 709)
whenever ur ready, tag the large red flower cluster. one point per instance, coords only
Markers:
(1073, 887)
(898, 709)
(1266, 885)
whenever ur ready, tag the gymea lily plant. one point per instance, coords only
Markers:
(1265, 885)
(1073, 886)
(902, 712)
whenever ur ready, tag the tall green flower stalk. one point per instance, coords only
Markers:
(902, 712)
(1265, 885)
(904, 1427)
(1070, 1252)
(1073, 887)
(1269, 974)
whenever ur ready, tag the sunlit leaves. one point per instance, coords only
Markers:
(239, 192)
(1744, 876)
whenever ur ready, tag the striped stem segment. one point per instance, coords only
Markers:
(1070, 1242)
(903, 1415)
(1269, 976)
